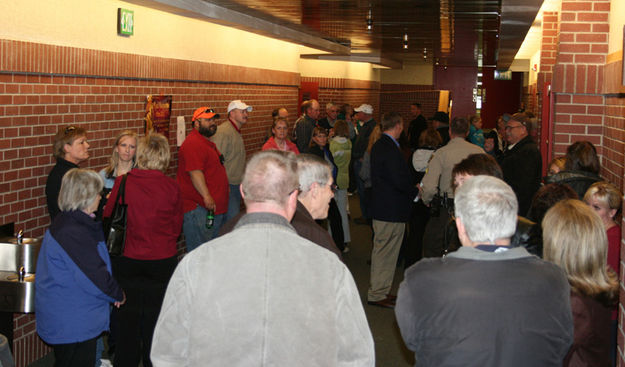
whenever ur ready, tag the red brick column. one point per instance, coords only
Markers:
(578, 73)
(548, 52)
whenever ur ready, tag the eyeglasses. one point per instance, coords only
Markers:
(210, 110)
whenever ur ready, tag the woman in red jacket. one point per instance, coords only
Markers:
(278, 139)
(154, 222)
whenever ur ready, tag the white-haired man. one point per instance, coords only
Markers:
(315, 192)
(262, 295)
(328, 122)
(486, 304)
(230, 143)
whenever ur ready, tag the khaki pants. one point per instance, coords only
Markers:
(387, 241)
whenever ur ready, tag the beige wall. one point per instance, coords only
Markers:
(617, 22)
(338, 69)
(91, 24)
(417, 73)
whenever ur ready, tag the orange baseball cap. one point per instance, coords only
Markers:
(204, 113)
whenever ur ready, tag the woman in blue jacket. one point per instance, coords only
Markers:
(74, 285)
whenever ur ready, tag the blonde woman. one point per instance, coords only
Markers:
(556, 166)
(605, 199)
(575, 239)
(122, 158)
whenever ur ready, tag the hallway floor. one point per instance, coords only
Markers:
(390, 350)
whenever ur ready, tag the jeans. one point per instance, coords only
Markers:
(234, 203)
(98, 351)
(194, 227)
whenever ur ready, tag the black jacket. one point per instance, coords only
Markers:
(416, 127)
(53, 185)
(579, 181)
(522, 166)
(527, 234)
(359, 147)
(392, 189)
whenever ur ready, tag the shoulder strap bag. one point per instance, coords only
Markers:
(115, 225)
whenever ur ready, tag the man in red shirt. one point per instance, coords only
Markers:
(202, 179)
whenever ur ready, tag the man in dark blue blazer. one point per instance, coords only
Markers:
(392, 195)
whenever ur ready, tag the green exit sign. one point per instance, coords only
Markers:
(125, 22)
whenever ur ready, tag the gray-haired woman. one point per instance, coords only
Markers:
(74, 285)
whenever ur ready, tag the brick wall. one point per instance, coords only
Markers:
(340, 91)
(578, 73)
(398, 97)
(614, 161)
(589, 98)
(614, 124)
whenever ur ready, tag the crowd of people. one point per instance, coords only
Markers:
(503, 266)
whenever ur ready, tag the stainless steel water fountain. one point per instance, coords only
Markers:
(18, 264)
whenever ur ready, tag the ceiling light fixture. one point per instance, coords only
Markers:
(425, 53)
(405, 41)
(369, 20)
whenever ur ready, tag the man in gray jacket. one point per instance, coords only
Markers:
(261, 295)
(486, 304)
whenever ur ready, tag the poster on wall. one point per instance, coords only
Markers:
(157, 114)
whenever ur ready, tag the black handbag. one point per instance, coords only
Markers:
(115, 225)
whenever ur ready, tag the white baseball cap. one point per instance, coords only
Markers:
(366, 108)
(238, 105)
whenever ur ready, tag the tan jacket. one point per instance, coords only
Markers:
(230, 144)
(439, 169)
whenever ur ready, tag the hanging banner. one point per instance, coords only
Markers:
(157, 114)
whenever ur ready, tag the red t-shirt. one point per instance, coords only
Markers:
(199, 153)
(154, 216)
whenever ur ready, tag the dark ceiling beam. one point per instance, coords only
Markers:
(256, 23)
(517, 17)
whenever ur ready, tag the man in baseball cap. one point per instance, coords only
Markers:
(202, 179)
(230, 143)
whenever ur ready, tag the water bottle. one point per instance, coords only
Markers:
(210, 218)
